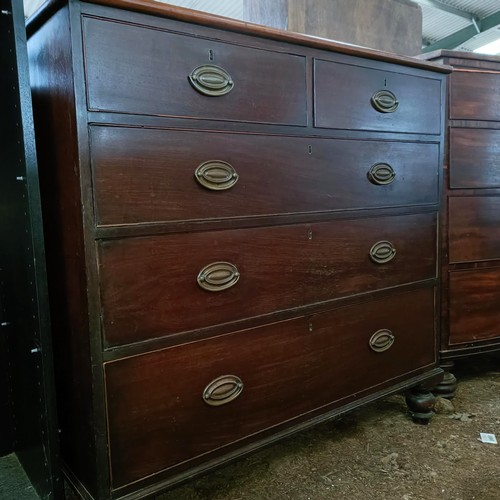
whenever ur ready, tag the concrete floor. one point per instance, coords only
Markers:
(14, 484)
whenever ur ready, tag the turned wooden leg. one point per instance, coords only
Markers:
(448, 386)
(420, 401)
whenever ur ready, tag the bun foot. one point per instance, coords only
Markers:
(420, 402)
(448, 386)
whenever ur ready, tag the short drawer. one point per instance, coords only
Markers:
(148, 175)
(474, 305)
(474, 158)
(349, 96)
(139, 70)
(474, 95)
(172, 406)
(474, 228)
(159, 285)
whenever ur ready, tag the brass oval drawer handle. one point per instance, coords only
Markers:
(211, 80)
(384, 101)
(222, 390)
(381, 340)
(218, 276)
(216, 175)
(381, 174)
(382, 252)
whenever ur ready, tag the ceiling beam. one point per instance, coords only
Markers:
(460, 37)
(436, 4)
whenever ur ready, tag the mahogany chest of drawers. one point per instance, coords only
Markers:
(471, 210)
(242, 233)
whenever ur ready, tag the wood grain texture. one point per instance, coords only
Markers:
(142, 175)
(474, 158)
(388, 25)
(269, 87)
(474, 96)
(474, 228)
(306, 364)
(55, 124)
(195, 17)
(343, 93)
(149, 287)
(274, 14)
(474, 311)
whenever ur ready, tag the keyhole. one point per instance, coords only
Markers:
(310, 149)
(211, 55)
(310, 234)
(385, 83)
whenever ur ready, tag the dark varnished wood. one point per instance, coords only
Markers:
(474, 154)
(161, 10)
(474, 95)
(470, 221)
(474, 229)
(142, 175)
(317, 262)
(269, 87)
(305, 365)
(343, 93)
(53, 98)
(474, 311)
(296, 261)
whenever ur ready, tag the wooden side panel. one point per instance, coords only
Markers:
(149, 285)
(474, 228)
(157, 415)
(142, 175)
(474, 158)
(474, 96)
(343, 95)
(474, 305)
(389, 25)
(55, 123)
(267, 86)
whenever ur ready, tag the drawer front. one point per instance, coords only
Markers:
(348, 97)
(134, 69)
(474, 228)
(160, 285)
(162, 175)
(474, 158)
(474, 305)
(474, 96)
(171, 406)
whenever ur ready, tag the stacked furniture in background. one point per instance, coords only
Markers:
(242, 234)
(471, 210)
(27, 393)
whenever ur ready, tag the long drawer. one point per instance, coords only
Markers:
(474, 305)
(474, 157)
(350, 96)
(474, 228)
(188, 76)
(142, 175)
(159, 285)
(170, 406)
(474, 95)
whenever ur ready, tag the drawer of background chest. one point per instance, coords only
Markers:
(474, 305)
(159, 285)
(350, 96)
(474, 228)
(146, 175)
(474, 157)
(139, 70)
(176, 404)
(474, 95)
